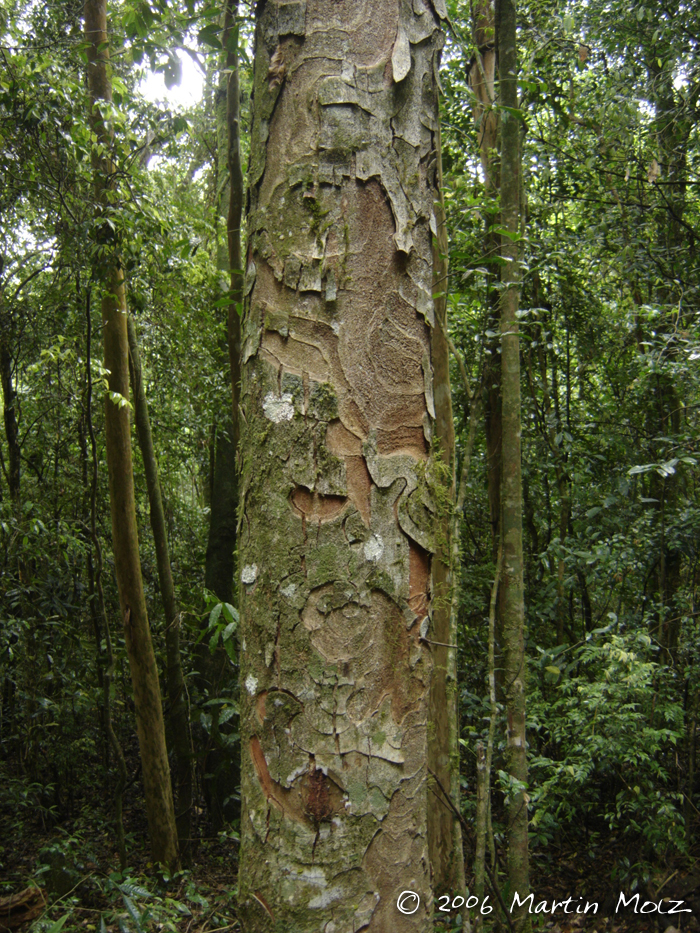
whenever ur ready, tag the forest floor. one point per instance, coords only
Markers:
(76, 865)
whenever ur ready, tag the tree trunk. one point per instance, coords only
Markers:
(222, 771)
(484, 759)
(98, 609)
(512, 604)
(221, 543)
(444, 832)
(9, 396)
(482, 80)
(339, 486)
(139, 647)
(235, 209)
(178, 712)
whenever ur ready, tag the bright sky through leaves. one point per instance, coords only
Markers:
(185, 94)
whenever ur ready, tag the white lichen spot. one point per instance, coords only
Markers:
(251, 684)
(249, 574)
(335, 327)
(278, 407)
(374, 548)
(289, 590)
(243, 644)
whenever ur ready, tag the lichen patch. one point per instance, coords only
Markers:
(249, 574)
(279, 407)
(374, 548)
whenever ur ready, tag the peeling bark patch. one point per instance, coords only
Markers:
(347, 25)
(377, 650)
(401, 56)
(419, 579)
(260, 706)
(321, 797)
(277, 71)
(314, 507)
(313, 797)
(342, 442)
(359, 487)
(286, 801)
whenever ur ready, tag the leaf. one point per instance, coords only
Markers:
(214, 614)
(135, 890)
(647, 468)
(172, 71)
(227, 714)
(210, 35)
(58, 925)
(132, 911)
(231, 613)
(232, 40)
(668, 468)
(515, 112)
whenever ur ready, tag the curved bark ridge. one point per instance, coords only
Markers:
(337, 498)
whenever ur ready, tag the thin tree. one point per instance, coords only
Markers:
(511, 582)
(178, 711)
(137, 633)
(222, 777)
(444, 832)
(9, 396)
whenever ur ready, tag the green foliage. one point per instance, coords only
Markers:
(607, 720)
(609, 330)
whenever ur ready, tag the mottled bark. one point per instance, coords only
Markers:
(137, 634)
(178, 712)
(444, 832)
(512, 602)
(339, 487)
